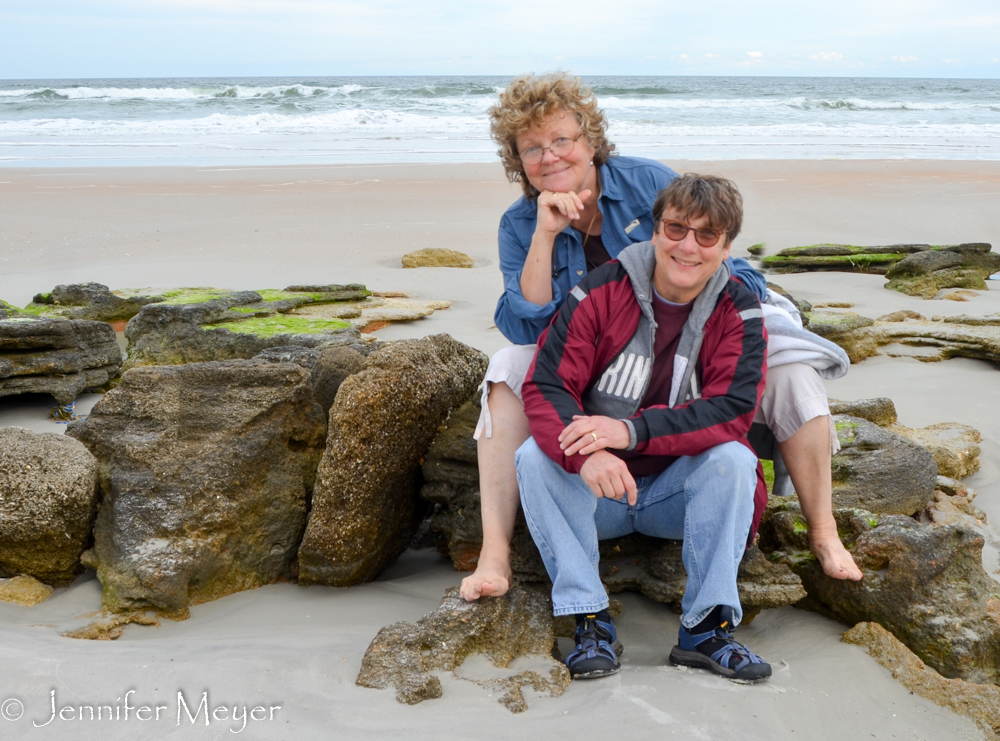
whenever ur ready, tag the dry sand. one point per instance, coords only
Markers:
(301, 648)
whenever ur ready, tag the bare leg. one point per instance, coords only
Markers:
(807, 457)
(499, 498)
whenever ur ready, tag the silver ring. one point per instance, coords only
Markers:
(595, 436)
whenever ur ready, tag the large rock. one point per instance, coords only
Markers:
(48, 499)
(237, 325)
(56, 356)
(880, 471)
(880, 411)
(955, 446)
(206, 471)
(878, 259)
(90, 301)
(366, 507)
(913, 336)
(436, 257)
(519, 624)
(960, 266)
(924, 583)
(846, 329)
(977, 701)
(327, 367)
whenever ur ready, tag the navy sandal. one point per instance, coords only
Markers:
(717, 651)
(597, 649)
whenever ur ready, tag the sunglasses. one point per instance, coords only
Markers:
(676, 231)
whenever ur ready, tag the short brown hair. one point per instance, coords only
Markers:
(692, 196)
(527, 101)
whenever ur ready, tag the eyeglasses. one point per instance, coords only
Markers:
(560, 148)
(676, 231)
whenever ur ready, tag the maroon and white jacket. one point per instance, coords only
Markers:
(596, 356)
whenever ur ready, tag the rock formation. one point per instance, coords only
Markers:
(89, 301)
(235, 325)
(925, 583)
(48, 499)
(403, 655)
(960, 266)
(366, 507)
(56, 356)
(206, 471)
(904, 335)
(880, 471)
(436, 257)
(974, 256)
(981, 702)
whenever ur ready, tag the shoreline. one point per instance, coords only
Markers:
(257, 227)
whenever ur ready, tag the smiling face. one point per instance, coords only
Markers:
(684, 268)
(572, 171)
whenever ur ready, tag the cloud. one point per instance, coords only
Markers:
(952, 61)
(904, 58)
(754, 54)
(827, 56)
(719, 56)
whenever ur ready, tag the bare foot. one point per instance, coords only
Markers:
(490, 579)
(836, 560)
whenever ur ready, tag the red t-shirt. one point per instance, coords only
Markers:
(670, 320)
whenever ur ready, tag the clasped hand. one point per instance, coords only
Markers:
(605, 474)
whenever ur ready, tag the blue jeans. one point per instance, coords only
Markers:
(705, 500)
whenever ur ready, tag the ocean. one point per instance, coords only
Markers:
(339, 120)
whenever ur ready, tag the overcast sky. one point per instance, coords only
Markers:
(168, 38)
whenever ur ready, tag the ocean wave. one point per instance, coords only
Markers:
(336, 122)
(370, 122)
(800, 103)
(193, 92)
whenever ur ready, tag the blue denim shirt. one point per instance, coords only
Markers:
(629, 186)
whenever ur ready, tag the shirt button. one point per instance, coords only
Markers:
(579, 272)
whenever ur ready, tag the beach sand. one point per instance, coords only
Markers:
(301, 648)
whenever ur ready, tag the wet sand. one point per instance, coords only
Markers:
(301, 647)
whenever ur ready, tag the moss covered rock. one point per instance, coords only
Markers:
(48, 499)
(436, 257)
(206, 471)
(232, 325)
(89, 301)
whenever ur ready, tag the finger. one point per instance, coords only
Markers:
(592, 446)
(630, 488)
(583, 195)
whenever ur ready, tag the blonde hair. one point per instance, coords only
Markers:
(527, 101)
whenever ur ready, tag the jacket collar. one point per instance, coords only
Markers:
(639, 261)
